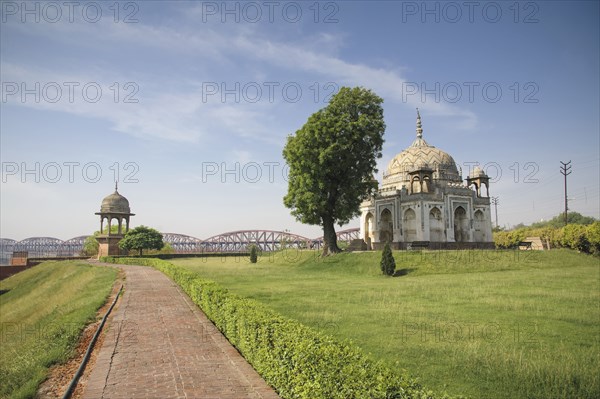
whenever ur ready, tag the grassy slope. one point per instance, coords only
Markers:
(481, 323)
(41, 317)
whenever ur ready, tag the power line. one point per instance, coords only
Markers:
(565, 170)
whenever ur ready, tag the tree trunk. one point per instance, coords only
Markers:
(140, 252)
(329, 237)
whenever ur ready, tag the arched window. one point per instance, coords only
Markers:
(426, 184)
(415, 185)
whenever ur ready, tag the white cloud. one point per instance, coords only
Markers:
(385, 82)
(181, 113)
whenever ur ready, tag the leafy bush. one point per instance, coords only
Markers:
(582, 238)
(593, 236)
(298, 361)
(508, 239)
(559, 220)
(575, 237)
(388, 264)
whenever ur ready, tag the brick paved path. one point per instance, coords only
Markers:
(160, 345)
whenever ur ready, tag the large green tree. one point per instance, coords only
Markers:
(332, 159)
(141, 238)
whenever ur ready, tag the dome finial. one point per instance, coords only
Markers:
(419, 128)
(116, 185)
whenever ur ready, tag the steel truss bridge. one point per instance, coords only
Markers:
(233, 241)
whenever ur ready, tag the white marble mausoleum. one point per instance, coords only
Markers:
(424, 200)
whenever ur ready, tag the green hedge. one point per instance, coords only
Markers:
(195, 255)
(582, 238)
(298, 361)
(508, 239)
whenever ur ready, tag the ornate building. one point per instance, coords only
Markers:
(423, 198)
(114, 207)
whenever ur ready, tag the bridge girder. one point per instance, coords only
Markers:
(265, 240)
(233, 241)
(182, 243)
(72, 247)
(39, 247)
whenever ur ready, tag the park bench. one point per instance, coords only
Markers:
(417, 245)
(526, 245)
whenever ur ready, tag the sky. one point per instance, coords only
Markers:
(188, 104)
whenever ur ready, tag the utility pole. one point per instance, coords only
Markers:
(565, 170)
(495, 203)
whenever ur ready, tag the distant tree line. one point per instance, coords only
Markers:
(581, 234)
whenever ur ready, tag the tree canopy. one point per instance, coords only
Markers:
(559, 220)
(141, 238)
(332, 159)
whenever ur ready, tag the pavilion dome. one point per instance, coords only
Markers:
(420, 155)
(115, 203)
(477, 172)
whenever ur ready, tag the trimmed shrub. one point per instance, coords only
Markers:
(388, 264)
(253, 254)
(298, 361)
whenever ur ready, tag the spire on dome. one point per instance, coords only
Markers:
(116, 187)
(419, 141)
(419, 128)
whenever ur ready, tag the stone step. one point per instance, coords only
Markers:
(536, 243)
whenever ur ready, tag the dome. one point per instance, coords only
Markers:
(420, 155)
(115, 203)
(477, 172)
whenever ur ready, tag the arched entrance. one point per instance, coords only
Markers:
(410, 225)
(461, 233)
(436, 225)
(386, 226)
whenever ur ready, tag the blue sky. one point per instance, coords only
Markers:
(191, 103)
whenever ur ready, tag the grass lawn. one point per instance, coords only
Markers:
(488, 324)
(41, 316)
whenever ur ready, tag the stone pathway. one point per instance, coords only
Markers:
(159, 344)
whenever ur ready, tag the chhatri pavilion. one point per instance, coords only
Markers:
(114, 208)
